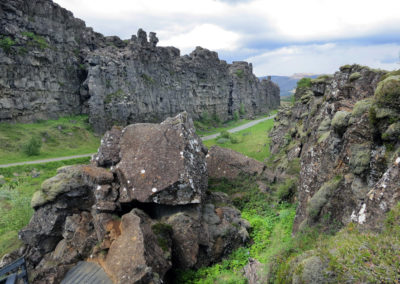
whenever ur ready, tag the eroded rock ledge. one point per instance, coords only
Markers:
(139, 210)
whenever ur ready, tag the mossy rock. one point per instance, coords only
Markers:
(67, 178)
(311, 271)
(324, 125)
(387, 93)
(321, 197)
(361, 107)
(360, 158)
(340, 121)
(306, 97)
(392, 133)
(355, 76)
(321, 79)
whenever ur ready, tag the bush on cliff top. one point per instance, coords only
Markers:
(304, 83)
(387, 93)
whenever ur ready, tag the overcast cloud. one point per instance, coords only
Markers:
(279, 37)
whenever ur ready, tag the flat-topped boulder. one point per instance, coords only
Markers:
(226, 163)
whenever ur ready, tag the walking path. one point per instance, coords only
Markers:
(204, 138)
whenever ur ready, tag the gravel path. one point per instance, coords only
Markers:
(204, 138)
(239, 128)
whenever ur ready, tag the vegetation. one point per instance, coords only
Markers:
(354, 76)
(36, 40)
(304, 83)
(252, 142)
(239, 73)
(58, 138)
(6, 43)
(16, 191)
(114, 95)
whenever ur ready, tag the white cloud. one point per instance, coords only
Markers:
(207, 35)
(325, 58)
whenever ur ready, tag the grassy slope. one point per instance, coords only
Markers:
(15, 198)
(253, 142)
(66, 136)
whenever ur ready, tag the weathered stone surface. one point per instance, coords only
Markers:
(162, 163)
(346, 173)
(254, 272)
(226, 163)
(58, 66)
(108, 153)
(77, 212)
(135, 255)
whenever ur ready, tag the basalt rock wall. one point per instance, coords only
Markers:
(343, 134)
(52, 65)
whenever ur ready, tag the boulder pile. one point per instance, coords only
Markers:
(140, 209)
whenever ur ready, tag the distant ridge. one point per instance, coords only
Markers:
(287, 84)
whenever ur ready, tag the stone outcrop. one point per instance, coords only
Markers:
(86, 213)
(52, 65)
(340, 133)
(226, 163)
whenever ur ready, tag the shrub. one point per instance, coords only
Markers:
(222, 140)
(286, 190)
(239, 73)
(32, 148)
(361, 107)
(304, 83)
(36, 40)
(234, 139)
(225, 134)
(242, 110)
(6, 43)
(236, 115)
(360, 158)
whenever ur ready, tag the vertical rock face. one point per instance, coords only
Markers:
(52, 64)
(141, 209)
(145, 83)
(342, 135)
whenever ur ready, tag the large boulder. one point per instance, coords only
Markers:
(161, 163)
(136, 256)
(226, 163)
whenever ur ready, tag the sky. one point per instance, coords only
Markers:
(278, 37)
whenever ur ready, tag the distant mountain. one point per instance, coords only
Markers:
(287, 84)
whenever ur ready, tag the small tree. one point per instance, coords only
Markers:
(32, 148)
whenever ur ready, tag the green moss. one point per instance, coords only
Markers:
(324, 125)
(340, 121)
(321, 79)
(387, 93)
(239, 73)
(163, 233)
(119, 94)
(306, 97)
(360, 158)
(36, 40)
(323, 136)
(242, 110)
(389, 74)
(148, 79)
(355, 76)
(6, 43)
(321, 197)
(52, 187)
(361, 107)
(392, 132)
(345, 67)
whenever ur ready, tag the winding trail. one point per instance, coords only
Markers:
(204, 138)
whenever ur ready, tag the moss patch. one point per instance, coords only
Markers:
(321, 197)
(387, 93)
(360, 158)
(340, 121)
(355, 76)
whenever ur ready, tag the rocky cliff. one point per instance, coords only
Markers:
(343, 134)
(52, 64)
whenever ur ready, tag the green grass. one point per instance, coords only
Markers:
(252, 142)
(63, 137)
(15, 198)
(210, 129)
(271, 223)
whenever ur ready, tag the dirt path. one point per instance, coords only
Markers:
(204, 138)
